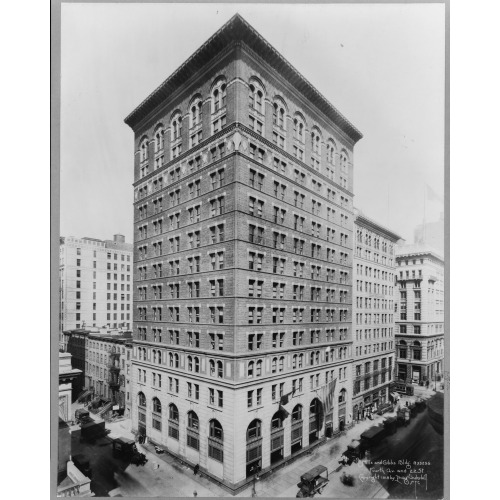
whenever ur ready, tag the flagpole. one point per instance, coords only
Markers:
(388, 209)
(425, 215)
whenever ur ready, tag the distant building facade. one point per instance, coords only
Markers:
(242, 260)
(95, 283)
(419, 314)
(373, 317)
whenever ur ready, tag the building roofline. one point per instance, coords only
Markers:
(409, 251)
(237, 29)
(361, 218)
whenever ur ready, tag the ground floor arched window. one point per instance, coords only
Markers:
(156, 415)
(216, 441)
(193, 431)
(254, 447)
(297, 428)
(173, 421)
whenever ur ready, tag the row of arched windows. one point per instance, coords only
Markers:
(218, 103)
(193, 422)
(257, 97)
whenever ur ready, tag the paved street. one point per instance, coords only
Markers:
(418, 442)
(162, 476)
(165, 476)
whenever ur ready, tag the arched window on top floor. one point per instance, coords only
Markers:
(143, 150)
(279, 113)
(195, 112)
(219, 95)
(176, 126)
(256, 96)
(299, 128)
(143, 156)
(219, 105)
(316, 140)
(330, 151)
(344, 159)
(159, 139)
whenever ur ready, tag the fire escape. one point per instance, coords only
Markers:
(114, 376)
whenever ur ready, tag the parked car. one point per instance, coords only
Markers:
(312, 482)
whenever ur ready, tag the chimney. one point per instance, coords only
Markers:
(119, 238)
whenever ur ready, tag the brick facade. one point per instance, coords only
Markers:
(373, 318)
(243, 240)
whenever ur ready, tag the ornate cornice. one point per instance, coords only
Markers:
(361, 219)
(237, 30)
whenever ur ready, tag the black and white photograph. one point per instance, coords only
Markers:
(253, 245)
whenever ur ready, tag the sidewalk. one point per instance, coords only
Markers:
(283, 483)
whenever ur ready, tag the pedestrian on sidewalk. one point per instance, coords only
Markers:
(196, 468)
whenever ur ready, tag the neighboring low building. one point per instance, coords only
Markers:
(67, 374)
(419, 314)
(70, 481)
(373, 319)
(105, 363)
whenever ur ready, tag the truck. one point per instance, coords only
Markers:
(82, 416)
(91, 431)
(372, 437)
(127, 450)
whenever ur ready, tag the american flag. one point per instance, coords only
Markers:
(328, 391)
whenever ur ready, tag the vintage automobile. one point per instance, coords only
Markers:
(92, 431)
(372, 437)
(391, 425)
(354, 452)
(312, 482)
(403, 416)
(82, 416)
(127, 450)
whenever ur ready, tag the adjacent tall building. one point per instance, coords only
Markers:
(95, 283)
(242, 260)
(419, 314)
(374, 298)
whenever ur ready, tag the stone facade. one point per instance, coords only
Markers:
(243, 239)
(419, 314)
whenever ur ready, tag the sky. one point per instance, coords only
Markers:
(382, 66)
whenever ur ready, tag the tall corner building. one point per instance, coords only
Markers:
(242, 260)
(419, 314)
(373, 322)
(95, 283)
